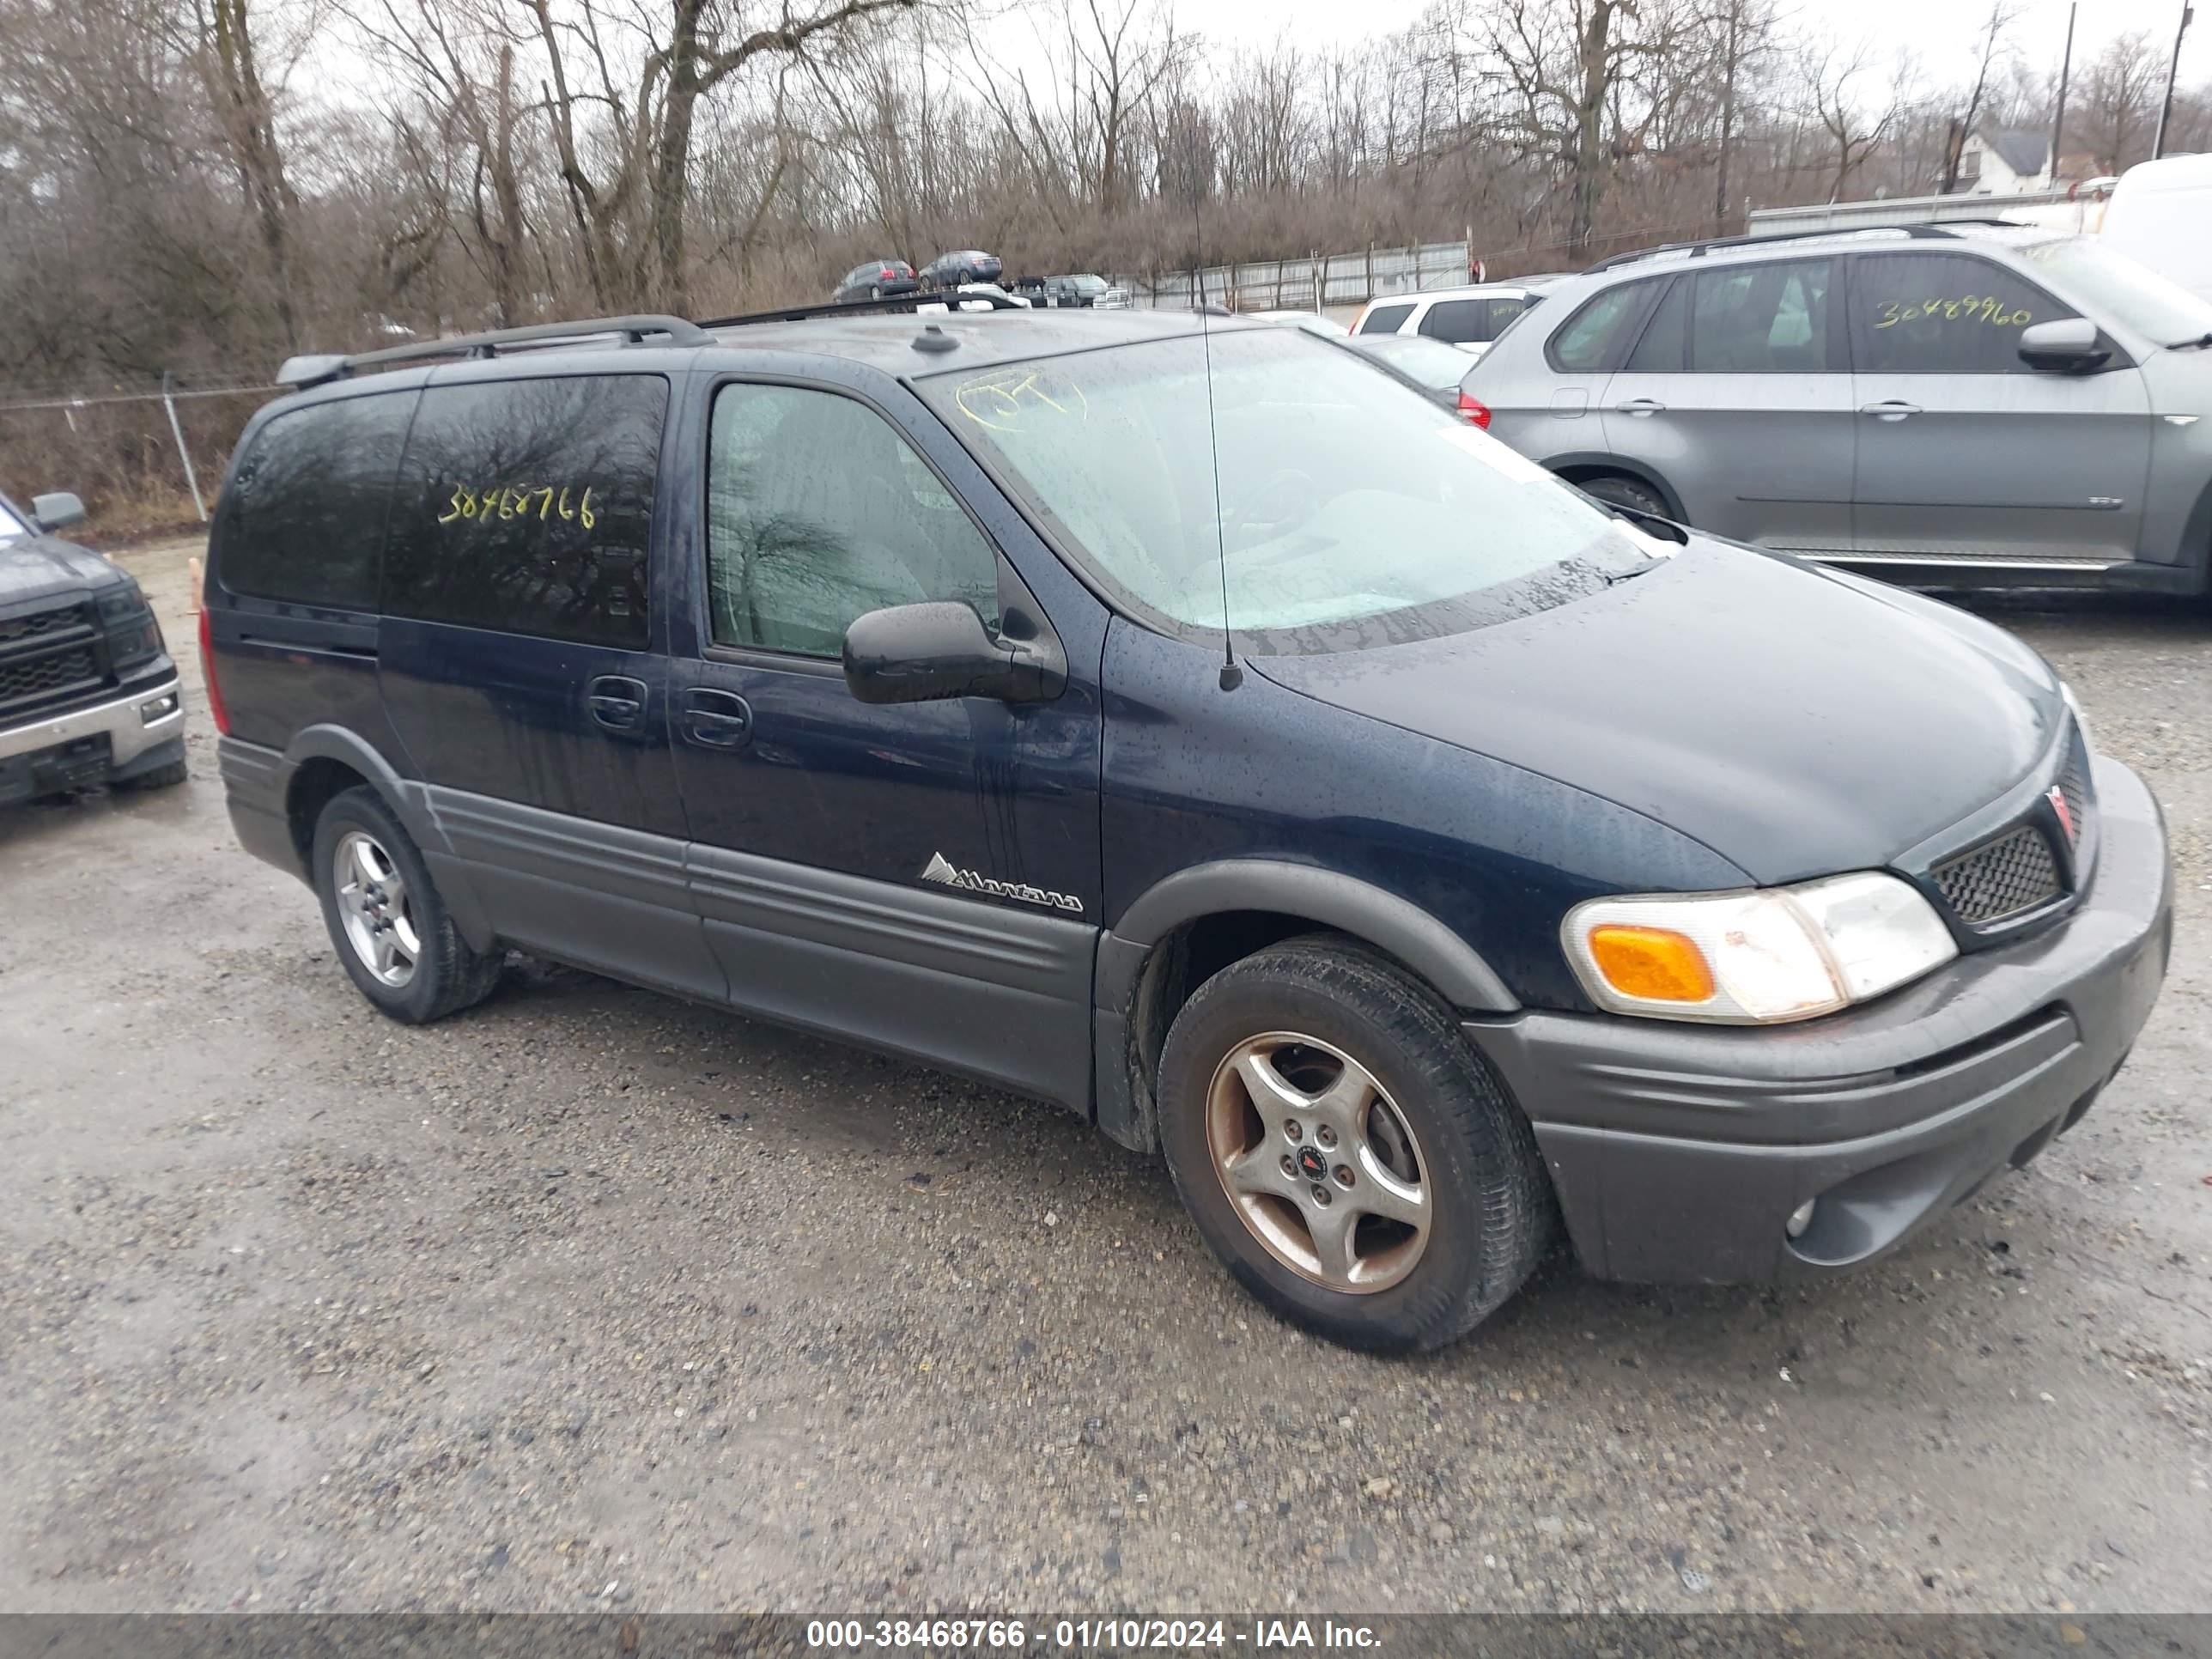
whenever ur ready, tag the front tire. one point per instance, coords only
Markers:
(1345, 1152)
(391, 929)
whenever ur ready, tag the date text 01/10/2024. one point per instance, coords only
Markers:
(1085, 1635)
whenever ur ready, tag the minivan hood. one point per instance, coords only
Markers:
(40, 567)
(1796, 721)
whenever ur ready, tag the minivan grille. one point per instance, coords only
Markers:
(2074, 790)
(2015, 873)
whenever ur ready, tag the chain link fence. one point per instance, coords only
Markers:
(141, 459)
(1312, 283)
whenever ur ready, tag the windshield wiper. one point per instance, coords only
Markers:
(2198, 344)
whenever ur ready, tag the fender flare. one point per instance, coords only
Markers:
(1611, 463)
(1327, 897)
(349, 748)
(411, 804)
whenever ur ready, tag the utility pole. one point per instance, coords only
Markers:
(2058, 118)
(2166, 109)
(1731, 53)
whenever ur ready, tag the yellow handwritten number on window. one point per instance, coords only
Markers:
(1972, 307)
(511, 501)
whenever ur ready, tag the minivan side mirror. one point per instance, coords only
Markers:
(2068, 346)
(57, 510)
(939, 650)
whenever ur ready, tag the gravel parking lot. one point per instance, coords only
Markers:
(590, 1298)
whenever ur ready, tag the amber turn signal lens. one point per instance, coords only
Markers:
(1657, 964)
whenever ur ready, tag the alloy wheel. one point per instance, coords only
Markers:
(376, 907)
(1318, 1161)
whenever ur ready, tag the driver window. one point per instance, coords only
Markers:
(818, 512)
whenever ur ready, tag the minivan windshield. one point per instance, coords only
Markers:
(2124, 288)
(1323, 506)
(11, 528)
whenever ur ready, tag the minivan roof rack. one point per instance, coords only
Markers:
(896, 302)
(1944, 229)
(315, 369)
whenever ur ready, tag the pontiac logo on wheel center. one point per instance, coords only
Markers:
(1311, 1163)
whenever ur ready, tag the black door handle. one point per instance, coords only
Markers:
(717, 720)
(616, 701)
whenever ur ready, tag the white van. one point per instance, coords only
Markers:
(2161, 214)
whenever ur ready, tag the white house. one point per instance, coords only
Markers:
(2004, 161)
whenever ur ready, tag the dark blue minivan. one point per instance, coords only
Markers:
(1183, 723)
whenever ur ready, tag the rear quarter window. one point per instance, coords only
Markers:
(1591, 340)
(1384, 320)
(302, 517)
(526, 506)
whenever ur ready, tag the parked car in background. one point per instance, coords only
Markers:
(1469, 318)
(877, 279)
(992, 291)
(966, 265)
(1953, 404)
(1429, 366)
(88, 695)
(1086, 291)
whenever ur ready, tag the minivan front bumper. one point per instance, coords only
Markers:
(1681, 1151)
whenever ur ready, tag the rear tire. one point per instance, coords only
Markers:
(1437, 1206)
(1631, 493)
(391, 931)
(875, 291)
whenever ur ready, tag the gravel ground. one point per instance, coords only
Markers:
(588, 1298)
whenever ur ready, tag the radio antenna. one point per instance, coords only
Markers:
(1231, 675)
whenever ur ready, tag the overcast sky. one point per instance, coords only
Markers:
(1943, 34)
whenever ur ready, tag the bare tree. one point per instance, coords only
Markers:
(2115, 103)
(1852, 102)
(2002, 16)
(634, 220)
(229, 63)
(1575, 83)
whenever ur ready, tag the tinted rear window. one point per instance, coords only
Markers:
(302, 517)
(1384, 320)
(526, 505)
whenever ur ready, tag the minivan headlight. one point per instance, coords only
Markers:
(1774, 953)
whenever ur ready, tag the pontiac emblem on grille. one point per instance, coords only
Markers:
(2056, 797)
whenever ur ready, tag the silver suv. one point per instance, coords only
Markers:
(1955, 404)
